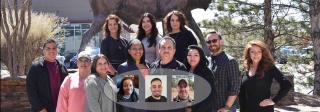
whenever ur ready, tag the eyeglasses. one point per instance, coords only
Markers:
(84, 60)
(212, 41)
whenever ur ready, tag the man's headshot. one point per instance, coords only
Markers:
(156, 88)
(182, 91)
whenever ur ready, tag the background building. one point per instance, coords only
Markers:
(79, 16)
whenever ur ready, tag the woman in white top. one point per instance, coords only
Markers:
(148, 35)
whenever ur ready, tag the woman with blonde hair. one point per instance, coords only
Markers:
(260, 70)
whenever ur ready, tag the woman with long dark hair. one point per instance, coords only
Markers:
(175, 22)
(197, 64)
(149, 36)
(113, 45)
(260, 70)
(100, 88)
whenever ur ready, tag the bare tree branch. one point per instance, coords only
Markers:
(292, 6)
(10, 15)
(5, 21)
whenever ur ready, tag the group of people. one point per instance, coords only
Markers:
(93, 89)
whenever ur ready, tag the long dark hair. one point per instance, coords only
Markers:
(130, 59)
(95, 61)
(181, 18)
(154, 31)
(133, 96)
(203, 60)
(117, 19)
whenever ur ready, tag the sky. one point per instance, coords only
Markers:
(201, 14)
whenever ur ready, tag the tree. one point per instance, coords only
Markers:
(269, 17)
(283, 26)
(38, 33)
(102, 8)
(315, 35)
(15, 26)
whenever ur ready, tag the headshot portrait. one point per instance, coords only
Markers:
(156, 88)
(182, 88)
(128, 89)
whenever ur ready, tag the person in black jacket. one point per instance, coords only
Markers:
(136, 59)
(135, 66)
(167, 64)
(113, 46)
(197, 64)
(167, 48)
(175, 22)
(44, 79)
(260, 70)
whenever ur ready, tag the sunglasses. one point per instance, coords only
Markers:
(212, 41)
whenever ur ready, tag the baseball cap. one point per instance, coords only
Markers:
(183, 81)
(83, 54)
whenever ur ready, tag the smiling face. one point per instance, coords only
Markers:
(113, 26)
(127, 87)
(175, 23)
(156, 88)
(255, 54)
(193, 57)
(166, 50)
(214, 42)
(136, 51)
(50, 52)
(102, 67)
(84, 65)
(183, 91)
(146, 25)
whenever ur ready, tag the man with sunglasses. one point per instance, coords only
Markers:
(226, 72)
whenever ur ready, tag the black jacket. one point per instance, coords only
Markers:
(128, 66)
(255, 89)
(115, 50)
(207, 104)
(173, 65)
(38, 85)
(183, 39)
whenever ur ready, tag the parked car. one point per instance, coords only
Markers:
(93, 51)
(292, 52)
(61, 59)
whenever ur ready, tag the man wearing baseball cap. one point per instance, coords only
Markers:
(72, 96)
(183, 92)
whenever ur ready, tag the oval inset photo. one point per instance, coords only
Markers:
(161, 89)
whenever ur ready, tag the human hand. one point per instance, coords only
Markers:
(43, 110)
(223, 110)
(111, 70)
(266, 102)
